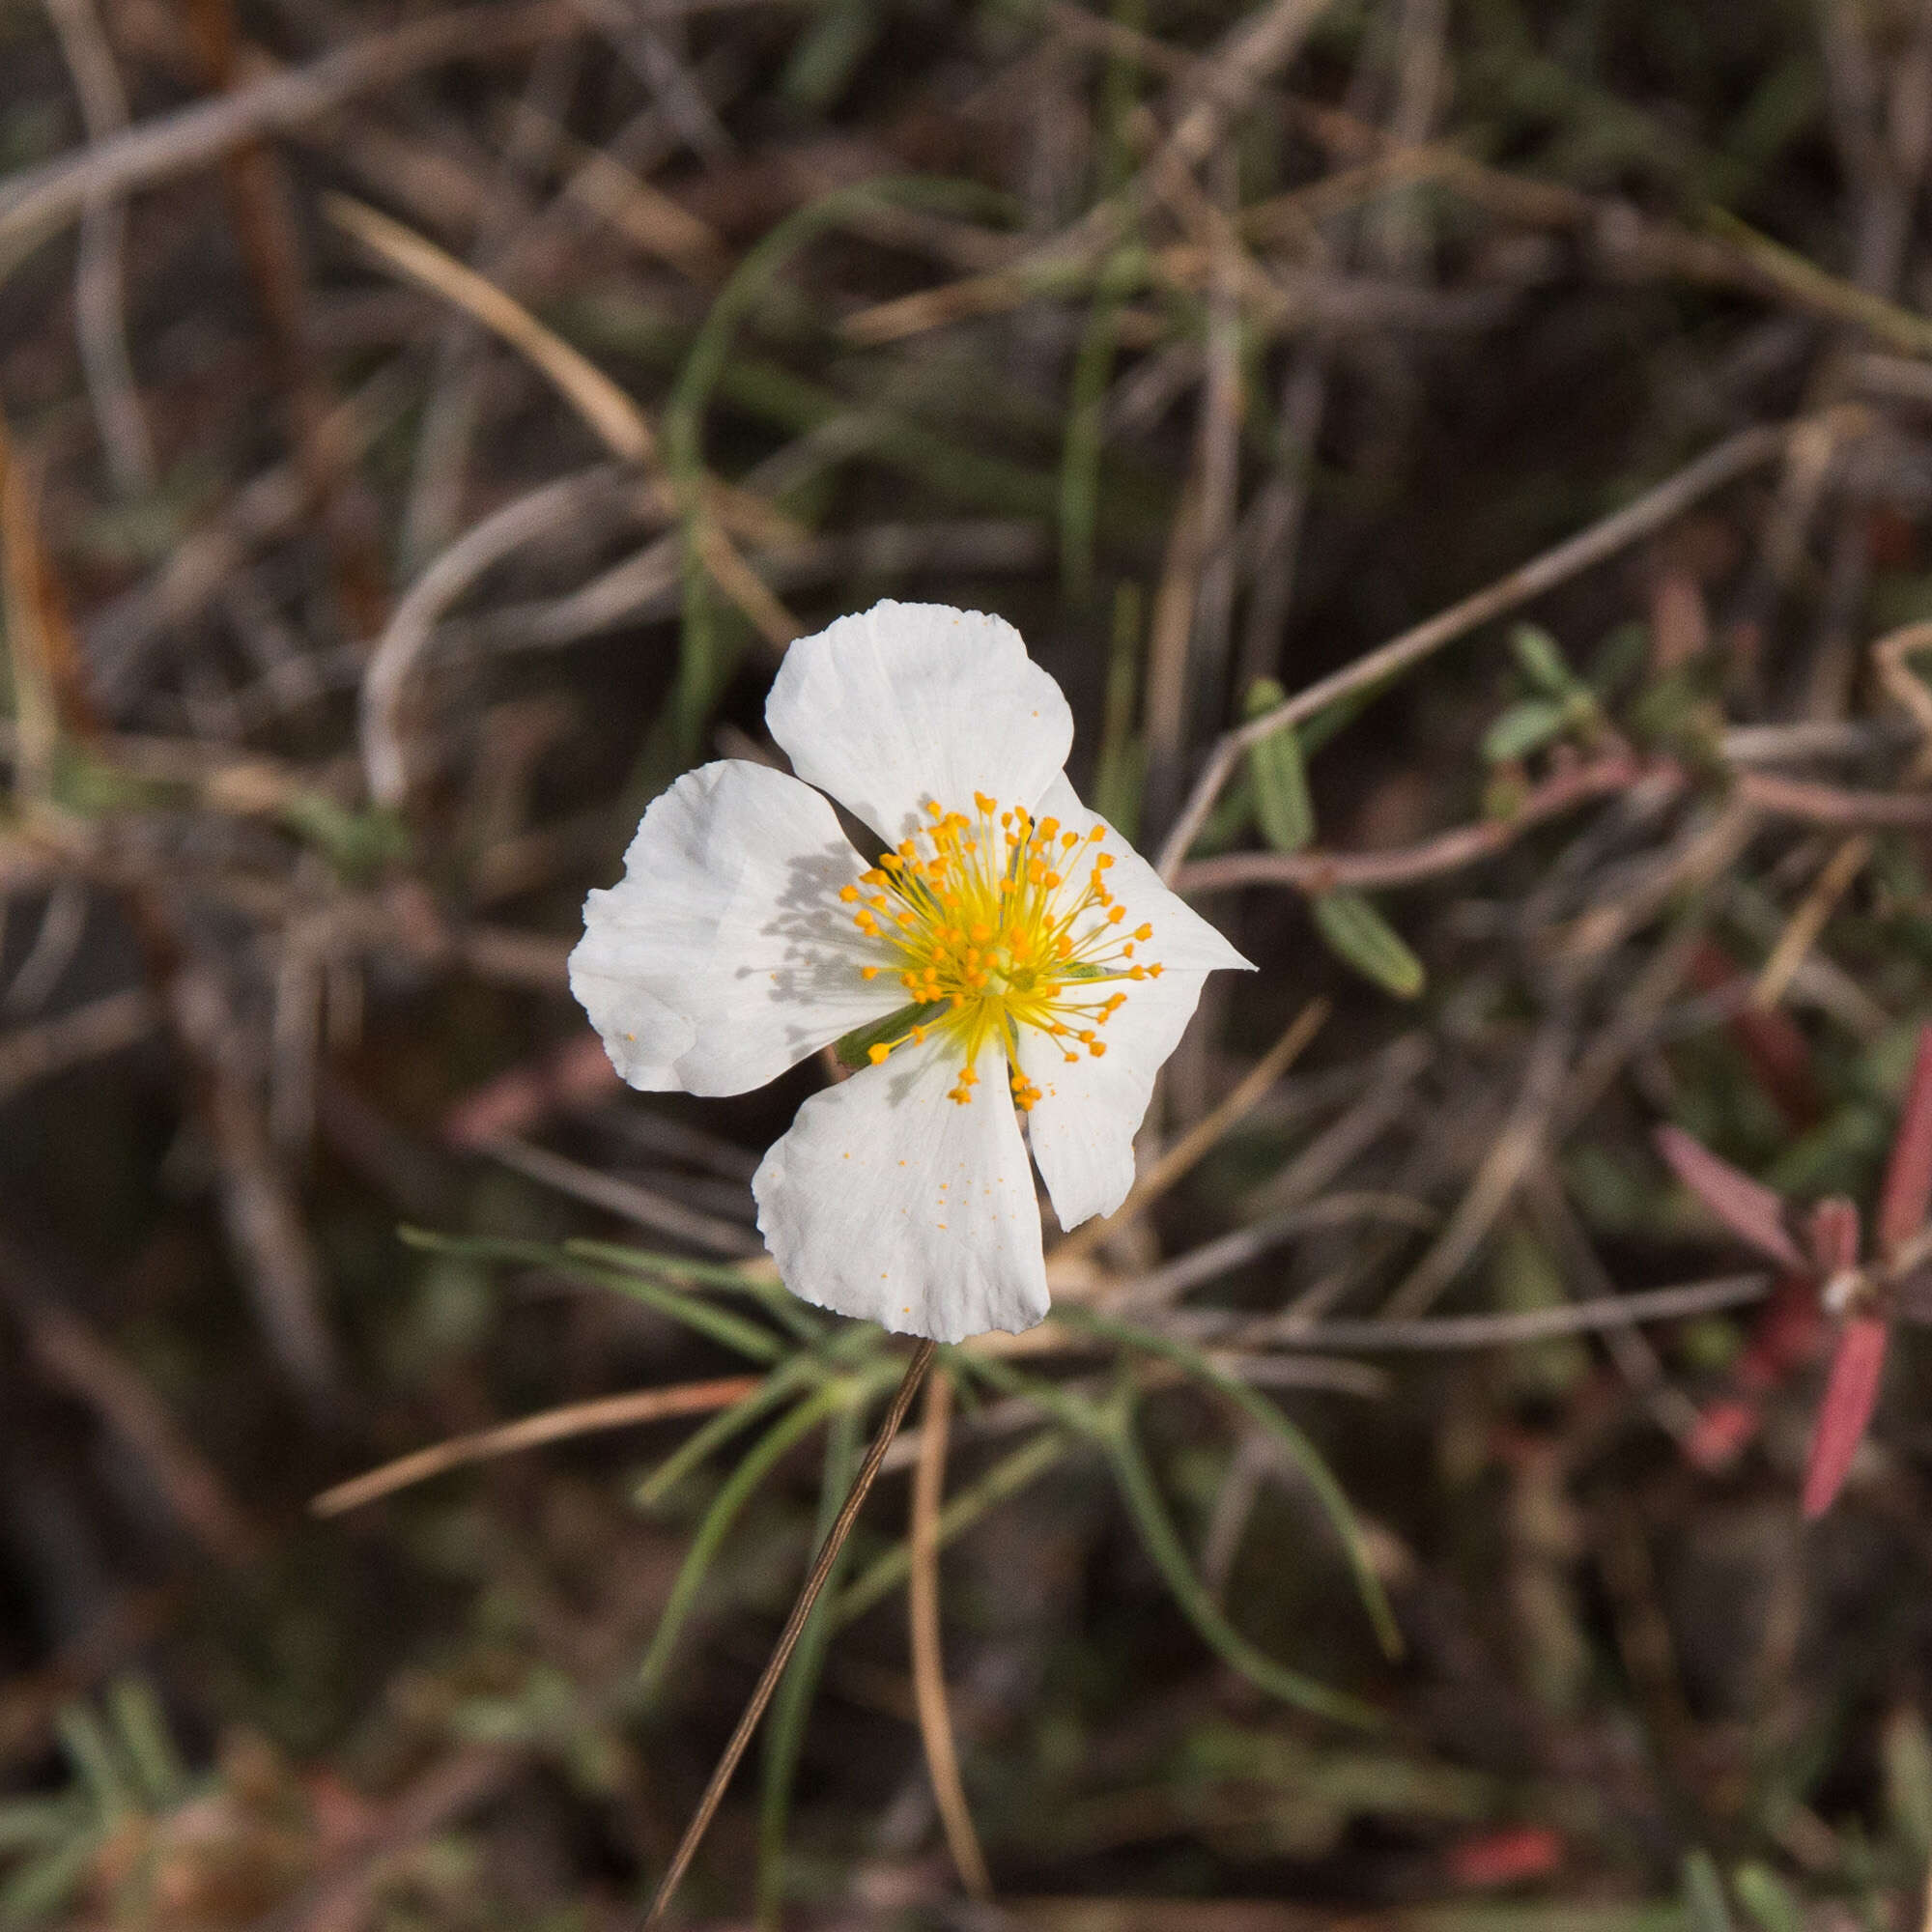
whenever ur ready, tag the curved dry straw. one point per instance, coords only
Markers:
(814, 1585)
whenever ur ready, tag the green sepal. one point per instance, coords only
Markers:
(854, 1049)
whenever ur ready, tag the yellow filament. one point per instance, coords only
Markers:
(982, 924)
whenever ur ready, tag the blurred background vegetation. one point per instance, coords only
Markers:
(424, 428)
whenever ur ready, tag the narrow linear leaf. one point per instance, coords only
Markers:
(141, 1727)
(736, 1492)
(1835, 1235)
(1358, 935)
(703, 1442)
(1704, 1894)
(1279, 773)
(1748, 1208)
(47, 1885)
(1006, 1478)
(1267, 1415)
(718, 1325)
(1908, 1176)
(1851, 1394)
(96, 1763)
(1163, 1545)
(1541, 660)
(1767, 1898)
(1525, 727)
(1907, 1750)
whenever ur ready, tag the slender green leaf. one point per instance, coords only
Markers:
(1907, 1750)
(1268, 1416)
(1526, 727)
(1703, 1892)
(29, 1824)
(47, 1886)
(1006, 1478)
(96, 1761)
(828, 52)
(1357, 934)
(736, 1492)
(1280, 777)
(1767, 1898)
(698, 665)
(1163, 1545)
(783, 1381)
(1121, 769)
(1541, 660)
(141, 1727)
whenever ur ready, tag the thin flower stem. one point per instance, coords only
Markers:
(821, 1571)
(929, 1673)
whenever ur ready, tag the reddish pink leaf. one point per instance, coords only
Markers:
(1771, 1039)
(1785, 1334)
(1750, 1210)
(1506, 1856)
(1720, 1433)
(1851, 1394)
(1835, 1236)
(1908, 1180)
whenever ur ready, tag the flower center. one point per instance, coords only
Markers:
(998, 921)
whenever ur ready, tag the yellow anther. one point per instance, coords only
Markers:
(1143, 933)
(987, 805)
(1101, 860)
(877, 1053)
(868, 972)
(849, 893)
(1098, 1048)
(1069, 838)
(1098, 833)
(1116, 914)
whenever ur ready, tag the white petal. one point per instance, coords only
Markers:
(724, 955)
(1083, 1125)
(890, 1202)
(913, 702)
(1181, 939)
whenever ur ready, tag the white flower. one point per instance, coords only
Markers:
(1016, 956)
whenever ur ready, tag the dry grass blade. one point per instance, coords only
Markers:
(72, 1356)
(612, 416)
(929, 1669)
(623, 1198)
(527, 1432)
(102, 1026)
(44, 199)
(617, 421)
(1750, 449)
